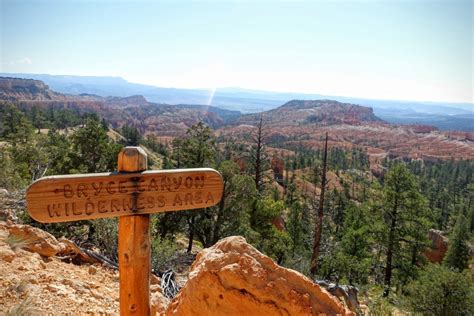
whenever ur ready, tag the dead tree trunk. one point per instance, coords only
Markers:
(390, 250)
(191, 219)
(318, 229)
(258, 156)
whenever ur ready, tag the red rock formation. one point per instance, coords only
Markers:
(279, 223)
(233, 278)
(423, 129)
(439, 246)
(278, 165)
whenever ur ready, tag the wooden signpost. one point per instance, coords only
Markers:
(132, 194)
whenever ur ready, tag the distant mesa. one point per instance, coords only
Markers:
(24, 89)
(134, 100)
(320, 112)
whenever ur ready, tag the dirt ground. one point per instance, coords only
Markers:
(45, 286)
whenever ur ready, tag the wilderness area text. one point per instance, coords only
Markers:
(68, 198)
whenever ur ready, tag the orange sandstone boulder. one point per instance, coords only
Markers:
(35, 240)
(234, 278)
(158, 303)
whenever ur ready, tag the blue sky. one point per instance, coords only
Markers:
(406, 50)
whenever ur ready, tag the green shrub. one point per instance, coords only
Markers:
(441, 291)
(163, 253)
(104, 235)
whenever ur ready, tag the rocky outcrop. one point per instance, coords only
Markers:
(234, 278)
(36, 285)
(35, 240)
(439, 246)
(47, 286)
(25, 89)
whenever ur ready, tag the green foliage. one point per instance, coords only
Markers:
(440, 291)
(448, 186)
(16, 128)
(92, 150)
(457, 256)
(404, 220)
(104, 234)
(230, 216)
(29, 156)
(380, 306)
(198, 147)
(350, 259)
(356, 243)
(37, 116)
(338, 158)
(132, 135)
(163, 253)
(10, 176)
(298, 226)
(59, 152)
(268, 239)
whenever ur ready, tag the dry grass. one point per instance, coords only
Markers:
(24, 308)
(16, 242)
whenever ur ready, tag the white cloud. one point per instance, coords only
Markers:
(25, 60)
(22, 61)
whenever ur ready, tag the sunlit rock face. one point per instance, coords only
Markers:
(234, 278)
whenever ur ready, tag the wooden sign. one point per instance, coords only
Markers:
(89, 196)
(133, 192)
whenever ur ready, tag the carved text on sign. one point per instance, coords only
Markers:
(75, 197)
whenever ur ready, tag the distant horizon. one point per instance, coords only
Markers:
(243, 88)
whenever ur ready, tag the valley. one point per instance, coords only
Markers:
(291, 125)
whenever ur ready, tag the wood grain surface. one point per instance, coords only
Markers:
(134, 246)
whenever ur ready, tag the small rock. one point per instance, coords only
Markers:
(52, 288)
(96, 294)
(92, 270)
(155, 288)
(67, 282)
(33, 280)
(90, 285)
(7, 255)
(154, 279)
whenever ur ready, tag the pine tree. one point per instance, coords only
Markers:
(93, 151)
(318, 229)
(231, 215)
(16, 127)
(196, 150)
(132, 135)
(404, 218)
(457, 256)
(258, 156)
